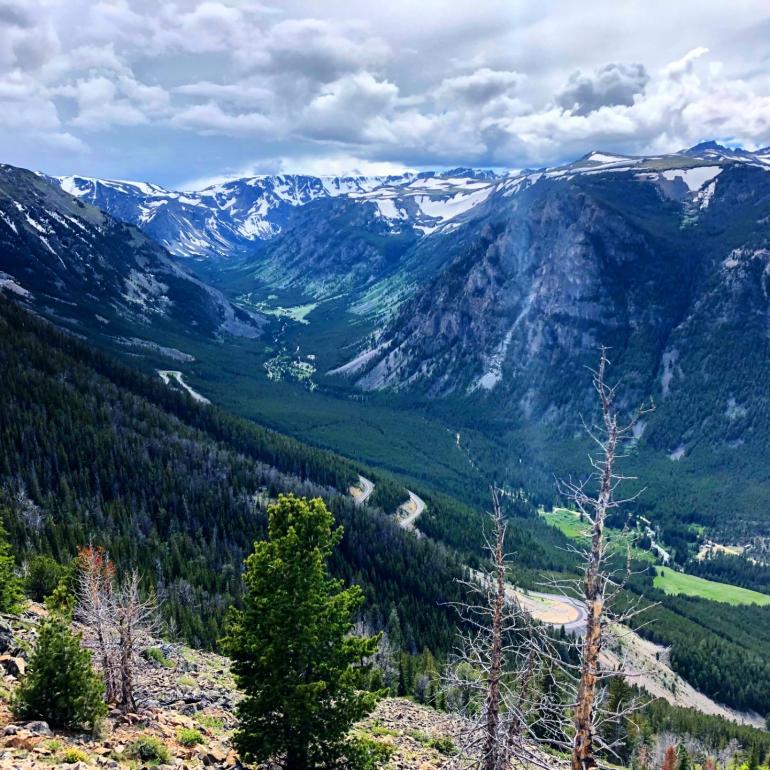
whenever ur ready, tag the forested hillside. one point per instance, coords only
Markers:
(92, 452)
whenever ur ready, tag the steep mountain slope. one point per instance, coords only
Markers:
(564, 261)
(663, 260)
(94, 452)
(480, 299)
(76, 263)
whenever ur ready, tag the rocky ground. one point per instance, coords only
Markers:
(181, 691)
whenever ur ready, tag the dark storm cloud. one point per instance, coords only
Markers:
(607, 86)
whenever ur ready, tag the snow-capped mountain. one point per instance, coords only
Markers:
(662, 259)
(231, 218)
(81, 266)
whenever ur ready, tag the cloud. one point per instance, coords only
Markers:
(103, 102)
(241, 93)
(14, 14)
(210, 118)
(478, 87)
(685, 64)
(344, 82)
(344, 108)
(315, 49)
(612, 84)
(314, 165)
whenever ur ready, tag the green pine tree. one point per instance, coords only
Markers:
(753, 763)
(682, 758)
(293, 654)
(10, 585)
(60, 685)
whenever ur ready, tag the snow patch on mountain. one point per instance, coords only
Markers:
(9, 284)
(694, 178)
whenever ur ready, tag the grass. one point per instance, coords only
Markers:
(671, 582)
(569, 524)
(215, 724)
(156, 654)
(74, 755)
(189, 737)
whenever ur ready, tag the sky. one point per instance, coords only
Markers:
(184, 93)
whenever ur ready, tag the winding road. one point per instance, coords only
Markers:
(554, 610)
(409, 512)
(362, 491)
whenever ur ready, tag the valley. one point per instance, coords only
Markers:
(384, 386)
(421, 338)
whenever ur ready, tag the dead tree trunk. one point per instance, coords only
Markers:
(501, 654)
(136, 620)
(595, 578)
(583, 748)
(94, 600)
(491, 747)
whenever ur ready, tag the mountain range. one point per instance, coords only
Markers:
(476, 296)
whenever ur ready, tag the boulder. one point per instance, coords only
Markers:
(6, 637)
(13, 666)
(38, 727)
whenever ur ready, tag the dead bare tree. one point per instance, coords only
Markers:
(136, 621)
(118, 623)
(600, 585)
(501, 655)
(94, 597)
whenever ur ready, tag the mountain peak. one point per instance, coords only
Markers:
(713, 148)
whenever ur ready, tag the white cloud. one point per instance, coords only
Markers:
(343, 109)
(315, 49)
(342, 165)
(242, 93)
(103, 102)
(607, 86)
(211, 119)
(341, 82)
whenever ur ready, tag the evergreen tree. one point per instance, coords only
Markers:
(10, 585)
(43, 574)
(682, 758)
(60, 685)
(293, 655)
(754, 762)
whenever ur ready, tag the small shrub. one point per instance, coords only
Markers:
(364, 753)
(156, 654)
(54, 745)
(381, 730)
(215, 724)
(43, 575)
(186, 681)
(148, 748)
(73, 755)
(444, 746)
(189, 737)
(419, 736)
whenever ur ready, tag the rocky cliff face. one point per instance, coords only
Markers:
(566, 266)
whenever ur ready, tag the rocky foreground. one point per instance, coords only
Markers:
(184, 717)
